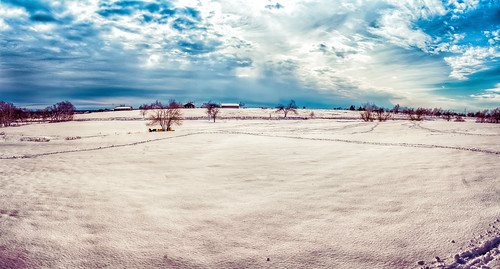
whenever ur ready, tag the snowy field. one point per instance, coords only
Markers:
(318, 193)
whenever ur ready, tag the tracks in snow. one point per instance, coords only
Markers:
(419, 125)
(96, 148)
(359, 142)
(414, 145)
(368, 131)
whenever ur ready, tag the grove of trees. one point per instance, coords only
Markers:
(370, 112)
(9, 113)
(62, 111)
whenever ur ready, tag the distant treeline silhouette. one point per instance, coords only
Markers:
(64, 111)
(9, 113)
(370, 112)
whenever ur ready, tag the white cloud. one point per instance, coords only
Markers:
(395, 26)
(462, 6)
(490, 97)
(497, 89)
(472, 60)
(493, 37)
(3, 25)
(398, 25)
(12, 12)
(487, 98)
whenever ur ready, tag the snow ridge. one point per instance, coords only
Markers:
(481, 253)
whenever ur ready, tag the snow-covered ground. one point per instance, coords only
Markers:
(327, 192)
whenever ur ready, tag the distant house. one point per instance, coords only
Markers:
(120, 108)
(230, 106)
(189, 105)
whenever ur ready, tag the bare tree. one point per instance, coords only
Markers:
(367, 113)
(213, 110)
(7, 113)
(395, 110)
(312, 115)
(291, 107)
(495, 115)
(144, 110)
(166, 116)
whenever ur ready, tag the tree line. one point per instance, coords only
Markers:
(9, 113)
(170, 114)
(371, 112)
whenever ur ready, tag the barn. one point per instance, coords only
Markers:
(229, 105)
(120, 108)
(189, 105)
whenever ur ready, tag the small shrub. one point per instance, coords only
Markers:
(34, 139)
(367, 115)
(459, 118)
(382, 115)
(417, 115)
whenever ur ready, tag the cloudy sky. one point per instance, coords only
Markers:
(321, 53)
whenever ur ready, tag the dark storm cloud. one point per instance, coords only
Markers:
(30, 6)
(43, 18)
(276, 6)
(153, 8)
(130, 7)
(79, 31)
(182, 24)
(114, 11)
(147, 18)
(197, 46)
(38, 10)
(192, 12)
(168, 12)
(129, 3)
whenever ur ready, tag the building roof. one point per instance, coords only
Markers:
(122, 107)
